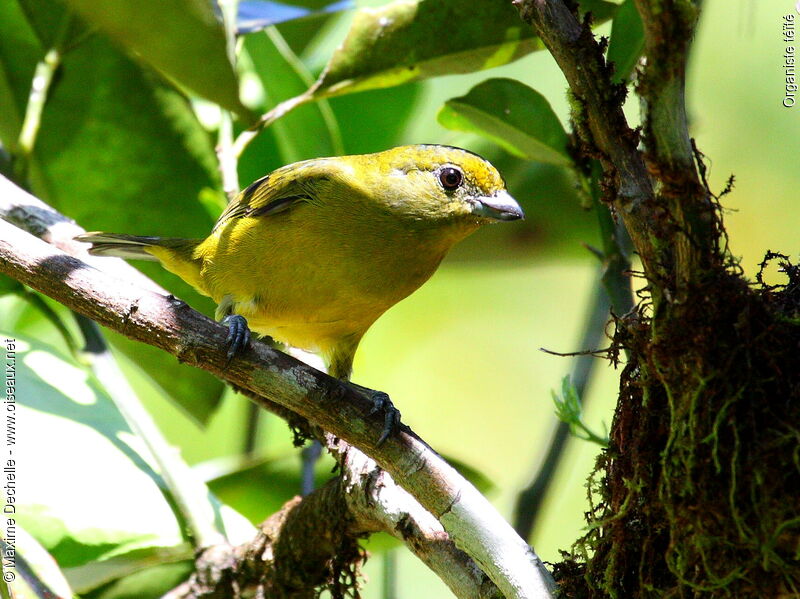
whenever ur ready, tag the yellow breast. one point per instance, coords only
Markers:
(309, 283)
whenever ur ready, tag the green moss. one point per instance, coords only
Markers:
(696, 489)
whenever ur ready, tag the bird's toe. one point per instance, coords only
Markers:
(391, 415)
(238, 335)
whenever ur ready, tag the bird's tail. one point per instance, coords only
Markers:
(175, 253)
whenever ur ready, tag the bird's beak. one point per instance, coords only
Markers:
(500, 206)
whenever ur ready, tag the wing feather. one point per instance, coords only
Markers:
(273, 194)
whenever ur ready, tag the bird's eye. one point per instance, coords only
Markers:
(451, 178)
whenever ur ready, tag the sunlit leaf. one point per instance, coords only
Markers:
(123, 510)
(408, 40)
(627, 40)
(152, 582)
(513, 115)
(102, 573)
(182, 38)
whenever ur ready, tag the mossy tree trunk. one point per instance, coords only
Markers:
(700, 488)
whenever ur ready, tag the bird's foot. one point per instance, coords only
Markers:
(391, 415)
(238, 335)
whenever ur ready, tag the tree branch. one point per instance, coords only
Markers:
(29, 213)
(598, 116)
(364, 500)
(168, 323)
(669, 27)
(670, 225)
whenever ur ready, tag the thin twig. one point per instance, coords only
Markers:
(226, 157)
(40, 88)
(300, 69)
(247, 136)
(597, 353)
(228, 161)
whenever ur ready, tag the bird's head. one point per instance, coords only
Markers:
(436, 184)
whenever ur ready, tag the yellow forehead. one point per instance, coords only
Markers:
(477, 170)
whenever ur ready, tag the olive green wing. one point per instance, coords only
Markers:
(275, 193)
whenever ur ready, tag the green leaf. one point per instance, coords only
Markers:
(513, 115)
(150, 583)
(9, 285)
(196, 392)
(182, 38)
(44, 307)
(258, 488)
(570, 411)
(120, 575)
(119, 150)
(363, 117)
(54, 22)
(109, 573)
(408, 40)
(19, 52)
(627, 40)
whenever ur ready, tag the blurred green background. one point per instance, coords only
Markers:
(461, 356)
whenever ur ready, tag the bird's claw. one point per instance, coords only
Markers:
(238, 335)
(391, 415)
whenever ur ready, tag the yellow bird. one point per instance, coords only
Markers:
(313, 253)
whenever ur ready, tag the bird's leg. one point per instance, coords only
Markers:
(238, 335)
(238, 331)
(340, 365)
